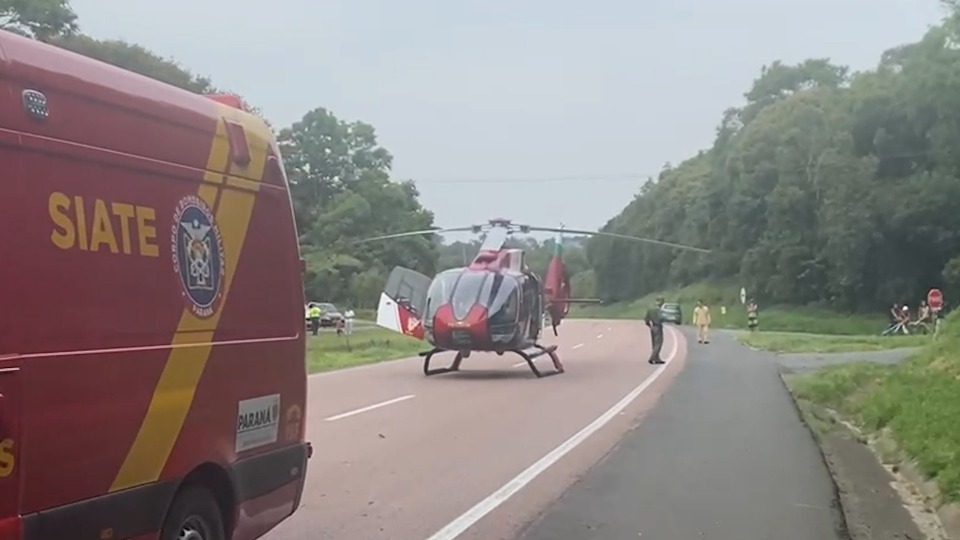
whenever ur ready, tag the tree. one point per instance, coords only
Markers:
(39, 19)
(342, 191)
(54, 21)
(824, 187)
(135, 58)
(951, 275)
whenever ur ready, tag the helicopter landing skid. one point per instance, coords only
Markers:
(538, 351)
(529, 355)
(428, 355)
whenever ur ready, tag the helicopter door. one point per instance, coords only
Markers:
(533, 292)
(403, 301)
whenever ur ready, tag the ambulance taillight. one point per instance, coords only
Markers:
(11, 528)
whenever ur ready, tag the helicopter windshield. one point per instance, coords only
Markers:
(467, 292)
(440, 292)
(465, 288)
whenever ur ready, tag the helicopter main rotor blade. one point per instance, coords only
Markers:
(565, 230)
(414, 233)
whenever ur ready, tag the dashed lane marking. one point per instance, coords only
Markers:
(369, 408)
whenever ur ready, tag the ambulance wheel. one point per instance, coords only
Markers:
(194, 515)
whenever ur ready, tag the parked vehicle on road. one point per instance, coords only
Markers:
(671, 312)
(330, 314)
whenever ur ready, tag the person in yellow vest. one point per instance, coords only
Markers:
(701, 319)
(315, 313)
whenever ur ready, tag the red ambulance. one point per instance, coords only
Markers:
(152, 370)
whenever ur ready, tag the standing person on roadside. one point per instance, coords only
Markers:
(654, 321)
(315, 313)
(349, 315)
(701, 319)
(752, 315)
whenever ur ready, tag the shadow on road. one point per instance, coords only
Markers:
(506, 373)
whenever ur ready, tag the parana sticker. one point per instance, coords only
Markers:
(258, 422)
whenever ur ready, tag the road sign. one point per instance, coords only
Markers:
(935, 299)
(743, 295)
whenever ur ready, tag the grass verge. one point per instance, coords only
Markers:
(916, 402)
(807, 319)
(790, 342)
(365, 314)
(327, 351)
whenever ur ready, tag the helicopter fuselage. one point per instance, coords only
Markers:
(483, 310)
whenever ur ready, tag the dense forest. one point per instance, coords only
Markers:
(825, 187)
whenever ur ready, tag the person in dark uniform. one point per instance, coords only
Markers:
(654, 321)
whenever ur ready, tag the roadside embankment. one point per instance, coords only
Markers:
(907, 413)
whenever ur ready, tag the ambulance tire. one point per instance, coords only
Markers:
(194, 515)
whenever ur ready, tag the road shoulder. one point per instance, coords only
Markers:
(882, 496)
(724, 455)
(876, 505)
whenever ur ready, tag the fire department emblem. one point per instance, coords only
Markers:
(198, 255)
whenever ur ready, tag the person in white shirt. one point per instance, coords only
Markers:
(349, 321)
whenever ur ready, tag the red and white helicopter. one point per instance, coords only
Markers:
(495, 304)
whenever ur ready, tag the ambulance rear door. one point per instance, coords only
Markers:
(14, 111)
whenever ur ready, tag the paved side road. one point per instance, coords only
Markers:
(723, 456)
(808, 361)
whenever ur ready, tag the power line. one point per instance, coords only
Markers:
(545, 179)
(633, 177)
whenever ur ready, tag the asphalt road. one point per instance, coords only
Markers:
(478, 454)
(723, 456)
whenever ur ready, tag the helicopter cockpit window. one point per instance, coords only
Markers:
(440, 292)
(505, 305)
(467, 292)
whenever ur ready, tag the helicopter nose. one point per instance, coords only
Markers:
(454, 332)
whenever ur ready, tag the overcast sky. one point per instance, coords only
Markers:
(603, 92)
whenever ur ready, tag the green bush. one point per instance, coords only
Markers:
(919, 400)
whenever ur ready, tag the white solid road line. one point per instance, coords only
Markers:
(575, 347)
(456, 527)
(369, 408)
